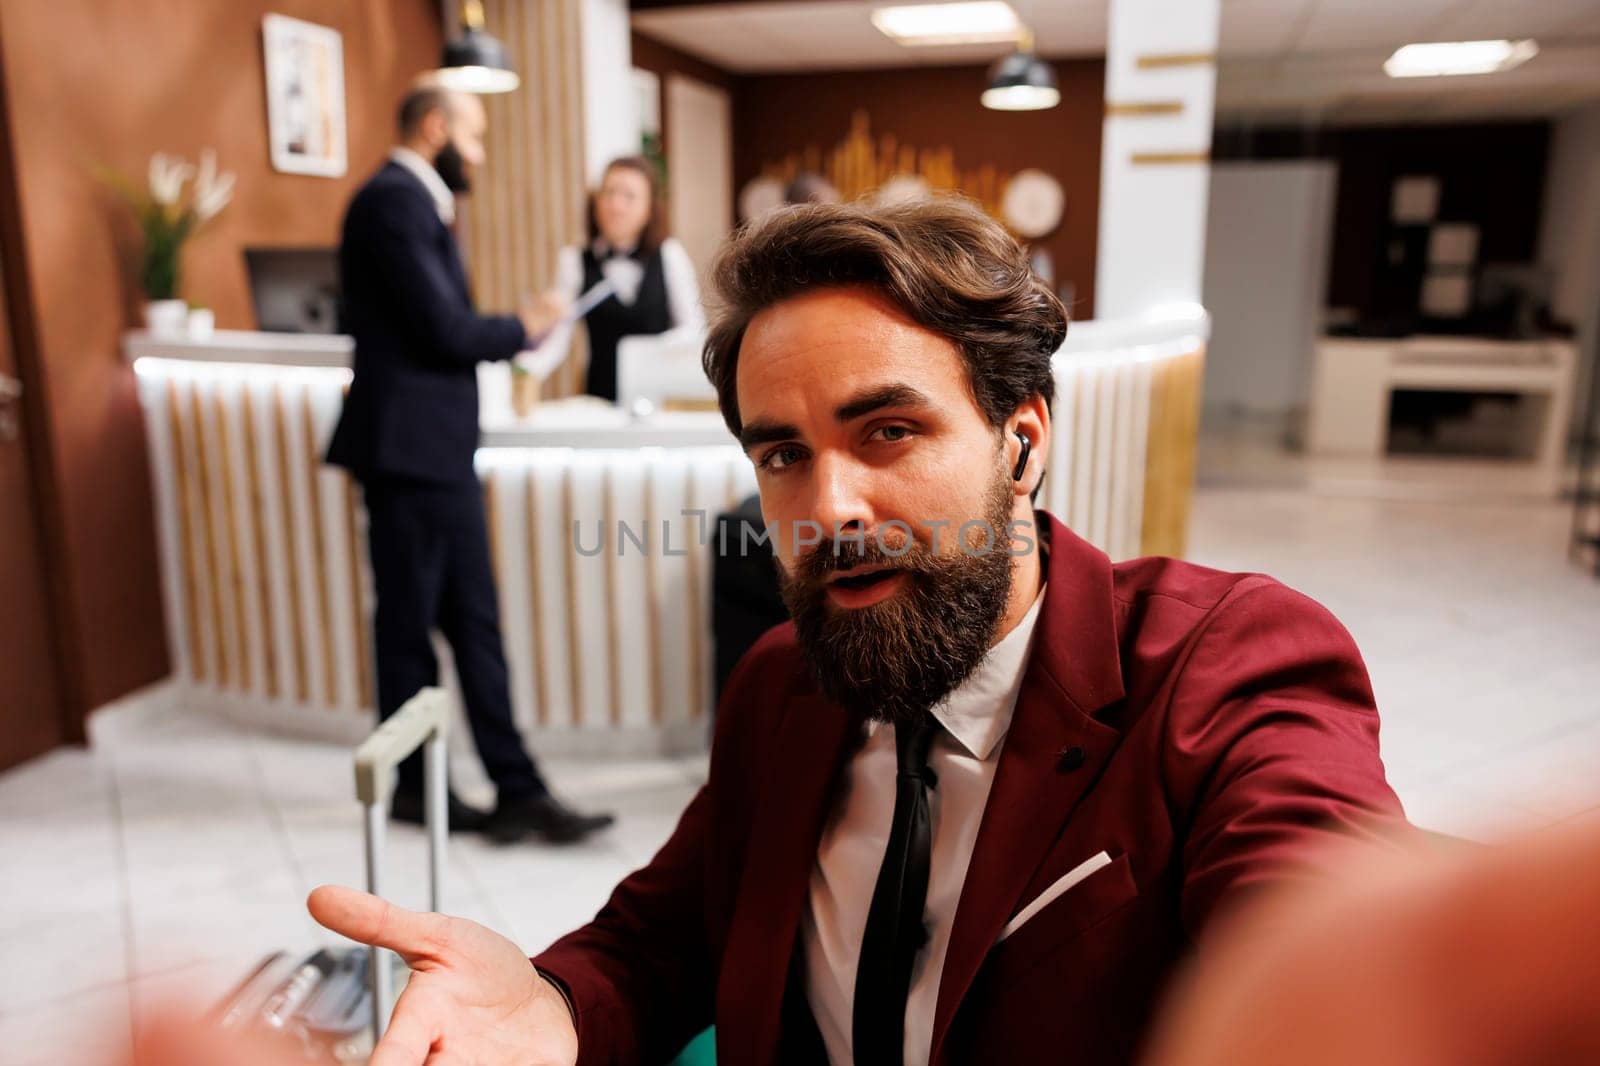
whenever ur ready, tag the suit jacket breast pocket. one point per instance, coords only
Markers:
(1064, 919)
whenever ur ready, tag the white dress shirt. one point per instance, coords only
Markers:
(444, 201)
(964, 756)
(683, 295)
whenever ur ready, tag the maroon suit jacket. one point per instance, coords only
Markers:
(1209, 731)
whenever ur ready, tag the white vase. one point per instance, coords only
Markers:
(202, 323)
(166, 318)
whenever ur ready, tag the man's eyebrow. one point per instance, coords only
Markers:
(883, 396)
(764, 432)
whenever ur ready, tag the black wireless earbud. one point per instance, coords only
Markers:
(1022, 457)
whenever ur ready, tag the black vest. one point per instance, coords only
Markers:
(612, 320)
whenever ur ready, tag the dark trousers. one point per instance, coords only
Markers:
(430, 562)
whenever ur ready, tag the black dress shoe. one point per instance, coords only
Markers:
(409, 807)
(545, 816)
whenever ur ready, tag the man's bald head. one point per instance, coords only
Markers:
(446, 128)
(422, 101)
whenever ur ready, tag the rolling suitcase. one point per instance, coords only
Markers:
(324, 1000)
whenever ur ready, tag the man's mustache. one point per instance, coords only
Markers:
(832, 556)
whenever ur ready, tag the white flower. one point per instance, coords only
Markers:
(167, 175)
(212, 191)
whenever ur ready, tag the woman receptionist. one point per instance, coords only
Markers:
(655, 283)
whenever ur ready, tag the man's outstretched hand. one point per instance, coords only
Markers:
(473, 996)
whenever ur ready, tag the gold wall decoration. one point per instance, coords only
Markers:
(1143, 108)
(1145, 159)
(1163, 60)
(860, 164)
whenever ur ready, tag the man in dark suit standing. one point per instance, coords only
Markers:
(408, 433)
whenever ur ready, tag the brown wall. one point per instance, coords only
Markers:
(107, 82)
(777, 115)
(663, 59)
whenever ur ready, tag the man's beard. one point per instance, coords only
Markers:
(452, 168)
(895, 660)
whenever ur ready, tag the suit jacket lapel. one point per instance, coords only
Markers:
(813, 743)
(1073, 672)
(449, 246)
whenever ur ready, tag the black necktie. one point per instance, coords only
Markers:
(895, 932)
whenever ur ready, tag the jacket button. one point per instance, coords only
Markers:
(1070, 759)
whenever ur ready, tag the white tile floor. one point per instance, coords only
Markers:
(164, 866)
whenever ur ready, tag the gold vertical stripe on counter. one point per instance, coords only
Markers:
(541, 694)
(705, 533)
(575, 672)
(1170, 453)
(319, 555)
(613, 627)
(258, 533)
(213, 564)
(652, 599)
(189, 622)
(230, 511)
(360, 631)
(286, 507)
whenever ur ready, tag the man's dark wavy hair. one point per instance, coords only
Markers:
(944, 263)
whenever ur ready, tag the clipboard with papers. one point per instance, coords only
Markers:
(540, 360)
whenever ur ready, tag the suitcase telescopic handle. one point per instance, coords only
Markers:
(422, 722)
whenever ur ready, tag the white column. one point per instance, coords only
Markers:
(610, 122)
(1154, 173)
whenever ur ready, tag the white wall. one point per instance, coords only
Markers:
(1570, 238)
(1152, 215)
(700, 166)
(1267, 246)
(610, 121)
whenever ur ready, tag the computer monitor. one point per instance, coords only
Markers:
(1513, 298)
(295, 290)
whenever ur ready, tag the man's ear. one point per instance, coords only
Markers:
(1030, 422)
(436, 128)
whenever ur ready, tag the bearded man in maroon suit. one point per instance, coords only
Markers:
(985, 790)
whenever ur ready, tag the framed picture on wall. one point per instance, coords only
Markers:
(305, 96)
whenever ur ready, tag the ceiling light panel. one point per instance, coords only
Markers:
(971, 22)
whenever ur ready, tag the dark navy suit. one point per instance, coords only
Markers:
(408, 433)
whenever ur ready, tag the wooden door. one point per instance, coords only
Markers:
(32, 718)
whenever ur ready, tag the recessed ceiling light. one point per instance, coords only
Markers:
(1458, 57)
(972, 22)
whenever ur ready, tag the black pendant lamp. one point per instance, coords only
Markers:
(1021, 81)
(475, 62)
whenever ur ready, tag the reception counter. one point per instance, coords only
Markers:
(599, 521)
